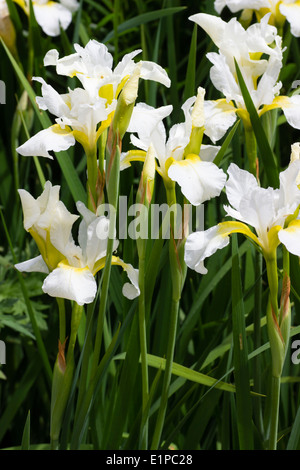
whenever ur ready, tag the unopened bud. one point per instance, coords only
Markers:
(198, 120)
(198, 109)
(146, 185)
(7, 30)
(126, 103)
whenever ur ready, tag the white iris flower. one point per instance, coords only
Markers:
(280, 10)
(258, 52)
(70, 268)
(271, 212)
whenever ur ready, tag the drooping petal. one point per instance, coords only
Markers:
(291, 108)
(52, 16)
(201, 245)
(71, 283)
(152, 71)
(290, 237)
(292, 13)
(36, 264)
(54, 138)
(130, 290)
(199, 181)
(209, 152)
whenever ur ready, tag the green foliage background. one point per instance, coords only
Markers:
(200, 414)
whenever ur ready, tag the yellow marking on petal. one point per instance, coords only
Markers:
(245, 117)
(293, 226)
(278, 102)
(134, 156)
(65, 265)
(59, 130)
(255, 55)
(227, 228)
(50, 254)
(121, 85)
(273, 240)
(115, 260)
(107, 92)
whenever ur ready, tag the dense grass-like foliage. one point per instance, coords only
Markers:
(220, 376)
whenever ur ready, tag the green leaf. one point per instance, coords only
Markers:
(266, 153)
(218, 158)
(240, 356)
(189, 89)
(142, 19)
(25, 445)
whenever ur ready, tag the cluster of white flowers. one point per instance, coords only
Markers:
(84, 113)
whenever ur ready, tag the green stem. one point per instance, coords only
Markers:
(104, 294)
(251, 149)
(275, 398)
(62, 319)
(176, 292)
(75, 321)
(257, 338)
(92, 176)
(143, 347)
(167, 376)
(271, 262)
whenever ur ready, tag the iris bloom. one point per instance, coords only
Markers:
(258, 52)
(181, 157)
(93, 66)
(280, 10)
(50, 15)
(70, 268)
(271, 212)
(84, 113)
(78, 115)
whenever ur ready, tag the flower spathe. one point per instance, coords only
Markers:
(50, 15)
(280, 10)
(70, 268)
(271, 212)
(258, 52)
(181, 157)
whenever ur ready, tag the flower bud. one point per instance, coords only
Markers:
(7, 30)
(198, 128)
(126, 103)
